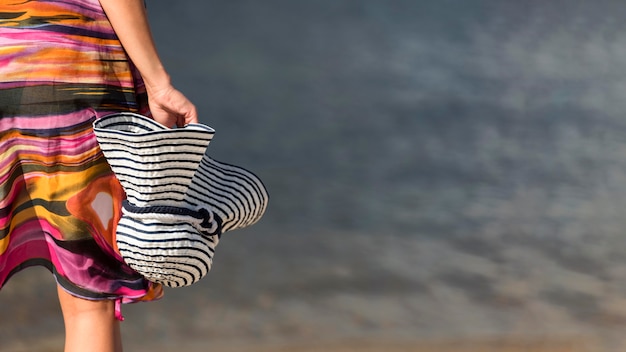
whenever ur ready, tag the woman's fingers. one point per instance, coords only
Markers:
(171, 108)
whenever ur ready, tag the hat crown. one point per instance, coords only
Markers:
(153, 163)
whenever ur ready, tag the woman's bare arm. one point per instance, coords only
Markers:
(130, 22)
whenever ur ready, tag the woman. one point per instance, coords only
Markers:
(63, 64)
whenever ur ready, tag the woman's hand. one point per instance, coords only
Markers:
(130, 22)
(170, 107)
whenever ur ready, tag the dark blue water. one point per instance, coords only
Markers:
(437, 169)
(399, 117)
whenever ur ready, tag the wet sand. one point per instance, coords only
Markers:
(503, 345)
(511, 344)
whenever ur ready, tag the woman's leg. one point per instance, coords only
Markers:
(89, 325)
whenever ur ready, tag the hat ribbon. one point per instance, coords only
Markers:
(203, 220)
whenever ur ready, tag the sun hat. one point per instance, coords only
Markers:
(179, 200)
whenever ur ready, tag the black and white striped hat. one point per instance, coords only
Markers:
(179, 200)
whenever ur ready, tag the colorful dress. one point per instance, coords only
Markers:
(61, 67)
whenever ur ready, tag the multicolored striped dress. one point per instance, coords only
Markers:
(61, 67)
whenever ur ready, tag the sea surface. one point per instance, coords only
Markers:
(437, 169)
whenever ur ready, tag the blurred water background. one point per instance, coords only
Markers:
(439, 171)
